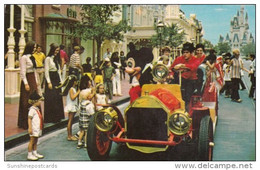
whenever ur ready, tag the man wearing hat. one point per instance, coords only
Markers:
(35, 125)
(188, 65)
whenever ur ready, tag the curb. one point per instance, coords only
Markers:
(23, 137)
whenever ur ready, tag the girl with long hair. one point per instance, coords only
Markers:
(28, 82)
(53, 105)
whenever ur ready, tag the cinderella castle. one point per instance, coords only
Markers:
(239, 31)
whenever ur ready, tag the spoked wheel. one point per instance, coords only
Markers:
(99, 145)
(205, 143)
(103, 143)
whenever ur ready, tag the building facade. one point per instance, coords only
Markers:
(142, 18)
(44, 24)
(239, 31)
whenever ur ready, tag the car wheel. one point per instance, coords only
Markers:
(98, 143)
(205, 148)
(121, 122)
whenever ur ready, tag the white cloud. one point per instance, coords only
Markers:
(219, 9)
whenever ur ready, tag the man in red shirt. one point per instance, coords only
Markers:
(199, 54)
(188, 64)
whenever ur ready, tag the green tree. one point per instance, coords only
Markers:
(222, 48)
(207, 44)
(170, 35)
(97, 24)
(248, 49)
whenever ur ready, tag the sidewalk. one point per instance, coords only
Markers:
(11, 113)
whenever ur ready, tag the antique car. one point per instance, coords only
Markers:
(157, 121)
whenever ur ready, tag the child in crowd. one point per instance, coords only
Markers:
(100, 97)
(35, 126)
(87, 109)
(227, 78)
(72, 107)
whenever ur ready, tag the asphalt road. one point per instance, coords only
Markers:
(234, 139)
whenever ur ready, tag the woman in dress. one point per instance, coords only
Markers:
(53, 105)
(28, 83)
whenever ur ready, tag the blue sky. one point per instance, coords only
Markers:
(216, 18)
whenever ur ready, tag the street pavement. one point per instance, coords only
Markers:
(235, 137)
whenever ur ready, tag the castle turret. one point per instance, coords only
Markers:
(241, 17)
(246, 22)
(227, 38)
(221, 39)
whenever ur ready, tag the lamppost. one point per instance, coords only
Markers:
(160, 26)
(199, 29)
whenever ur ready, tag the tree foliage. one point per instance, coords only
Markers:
(207, 44)
(222, 47)
(97, 24)
(171, 35)
(248, 49)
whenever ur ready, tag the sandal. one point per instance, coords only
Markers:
(73, 138)
(79, 146)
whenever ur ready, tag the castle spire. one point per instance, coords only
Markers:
(241, 18)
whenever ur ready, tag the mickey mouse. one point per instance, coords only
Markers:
(139, 67)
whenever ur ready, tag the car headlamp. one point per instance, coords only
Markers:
(179, 123)
(160, 72)
(105, 119)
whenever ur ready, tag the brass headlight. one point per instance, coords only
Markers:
(179, 123)
(160, 72)
(105, 119)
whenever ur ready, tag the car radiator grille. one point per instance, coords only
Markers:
(147, 124)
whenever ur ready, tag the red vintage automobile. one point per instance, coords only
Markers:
(157, 121)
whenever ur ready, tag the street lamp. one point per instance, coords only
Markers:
(199, 29)
(160, 26)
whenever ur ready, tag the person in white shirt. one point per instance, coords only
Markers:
(228, 84)
(53, 104)
(28, 82)
(35, 126)
(107, 54)
(100, 98)
(75, 63)
(72, 106)
(116, 80)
